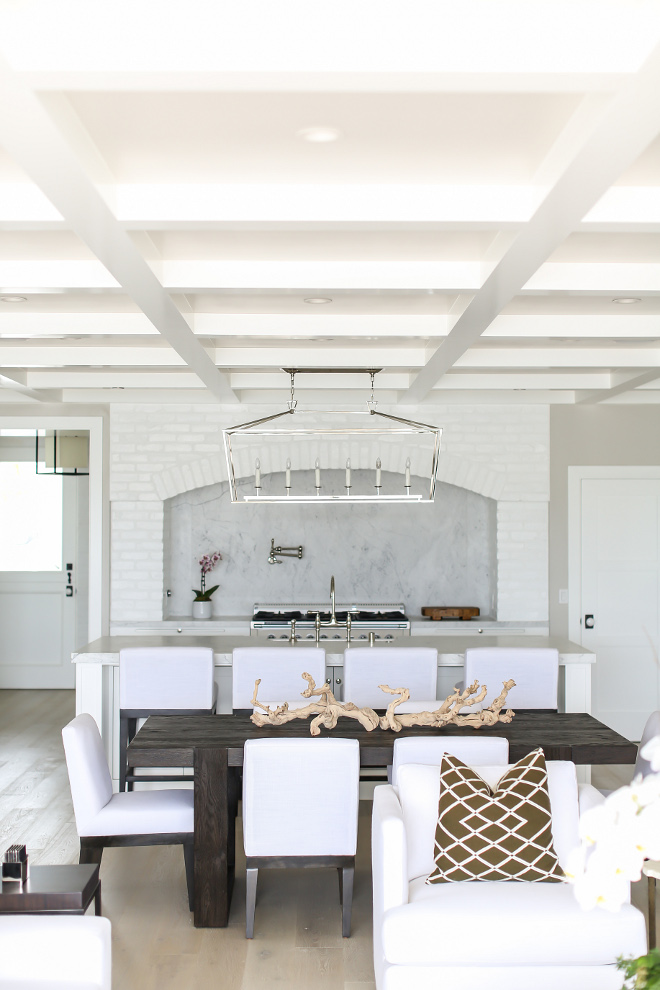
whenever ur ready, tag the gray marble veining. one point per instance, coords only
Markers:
(441, 553)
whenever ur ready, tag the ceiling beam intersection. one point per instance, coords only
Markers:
(30, 136)
(617, 136)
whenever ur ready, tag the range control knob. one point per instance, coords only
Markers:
(270, 636)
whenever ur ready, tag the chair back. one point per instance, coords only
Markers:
(300, 797)
(415, 668)
(162, 677)
(651, 730)
(419, 792)
(535, 671)
(59, 953)
(280, 670)
(89, 776)
(473, 750)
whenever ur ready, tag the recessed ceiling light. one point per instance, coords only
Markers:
(13, 299)
(317, 300)
(319, 135)
(626, 300)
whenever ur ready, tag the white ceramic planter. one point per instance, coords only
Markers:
(202, 610)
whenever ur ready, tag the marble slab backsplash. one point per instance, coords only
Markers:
(443, 553)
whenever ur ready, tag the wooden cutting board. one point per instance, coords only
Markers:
(439, 612)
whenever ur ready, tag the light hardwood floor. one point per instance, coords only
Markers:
(297, 943)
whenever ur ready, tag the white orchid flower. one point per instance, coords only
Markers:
(651, 753)
(624, 862)
(597, 821)
(576, 863)
(647, 831)
(608, 892)
(647, 789)
(617, 837)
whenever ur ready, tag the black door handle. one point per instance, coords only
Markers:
(588, 622)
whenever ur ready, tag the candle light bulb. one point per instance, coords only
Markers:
(407, 472)
(348, 472)
(288, 473)
(317, 473)
(378, 472)
(257, 473)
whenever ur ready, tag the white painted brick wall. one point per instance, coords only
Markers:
(522, 560)
(500, 451)
(136, 553)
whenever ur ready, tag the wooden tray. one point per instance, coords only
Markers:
(439, 612)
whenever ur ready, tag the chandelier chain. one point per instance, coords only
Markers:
(371, 401)
(293, 402)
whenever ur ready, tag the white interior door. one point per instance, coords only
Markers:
(620, 597)
(38, 542)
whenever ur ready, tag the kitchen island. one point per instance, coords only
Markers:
(97, 670)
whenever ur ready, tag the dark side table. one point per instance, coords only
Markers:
(53, 890)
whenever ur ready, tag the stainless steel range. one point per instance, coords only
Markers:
(384, 620)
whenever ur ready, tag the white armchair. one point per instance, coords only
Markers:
(510, 934)
(55, 953)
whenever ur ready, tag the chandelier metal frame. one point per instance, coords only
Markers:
(269, 426)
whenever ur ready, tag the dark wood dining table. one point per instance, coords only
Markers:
(213, 745)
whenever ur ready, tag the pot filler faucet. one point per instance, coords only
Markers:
(276, 552)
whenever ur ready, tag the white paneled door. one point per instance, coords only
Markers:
(621, 598)
(38, 575)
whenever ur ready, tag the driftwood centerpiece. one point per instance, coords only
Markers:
(327, 709)
(449, 711)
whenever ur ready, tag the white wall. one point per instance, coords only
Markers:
(158, 451)
(609, 435)
(438, 553)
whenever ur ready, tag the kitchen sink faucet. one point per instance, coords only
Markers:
(318, 625)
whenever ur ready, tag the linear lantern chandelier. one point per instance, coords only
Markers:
(332, 456)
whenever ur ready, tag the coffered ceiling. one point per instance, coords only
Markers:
(484, 221)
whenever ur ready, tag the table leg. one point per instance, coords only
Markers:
(214, 876)
(97, 901)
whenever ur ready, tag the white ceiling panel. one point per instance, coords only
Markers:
(484, 225)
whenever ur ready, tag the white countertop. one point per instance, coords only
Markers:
(239, 625)
(451, 649)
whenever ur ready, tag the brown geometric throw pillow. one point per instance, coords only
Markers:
(503, 834)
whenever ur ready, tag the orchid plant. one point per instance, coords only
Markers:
(617, 837)
(207, 562)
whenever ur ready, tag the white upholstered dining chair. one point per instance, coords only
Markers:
(137, 818)
(161, 680)
(280, 669)
(412, 667)
(474, 750)
(300, 809)
(535, 671)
